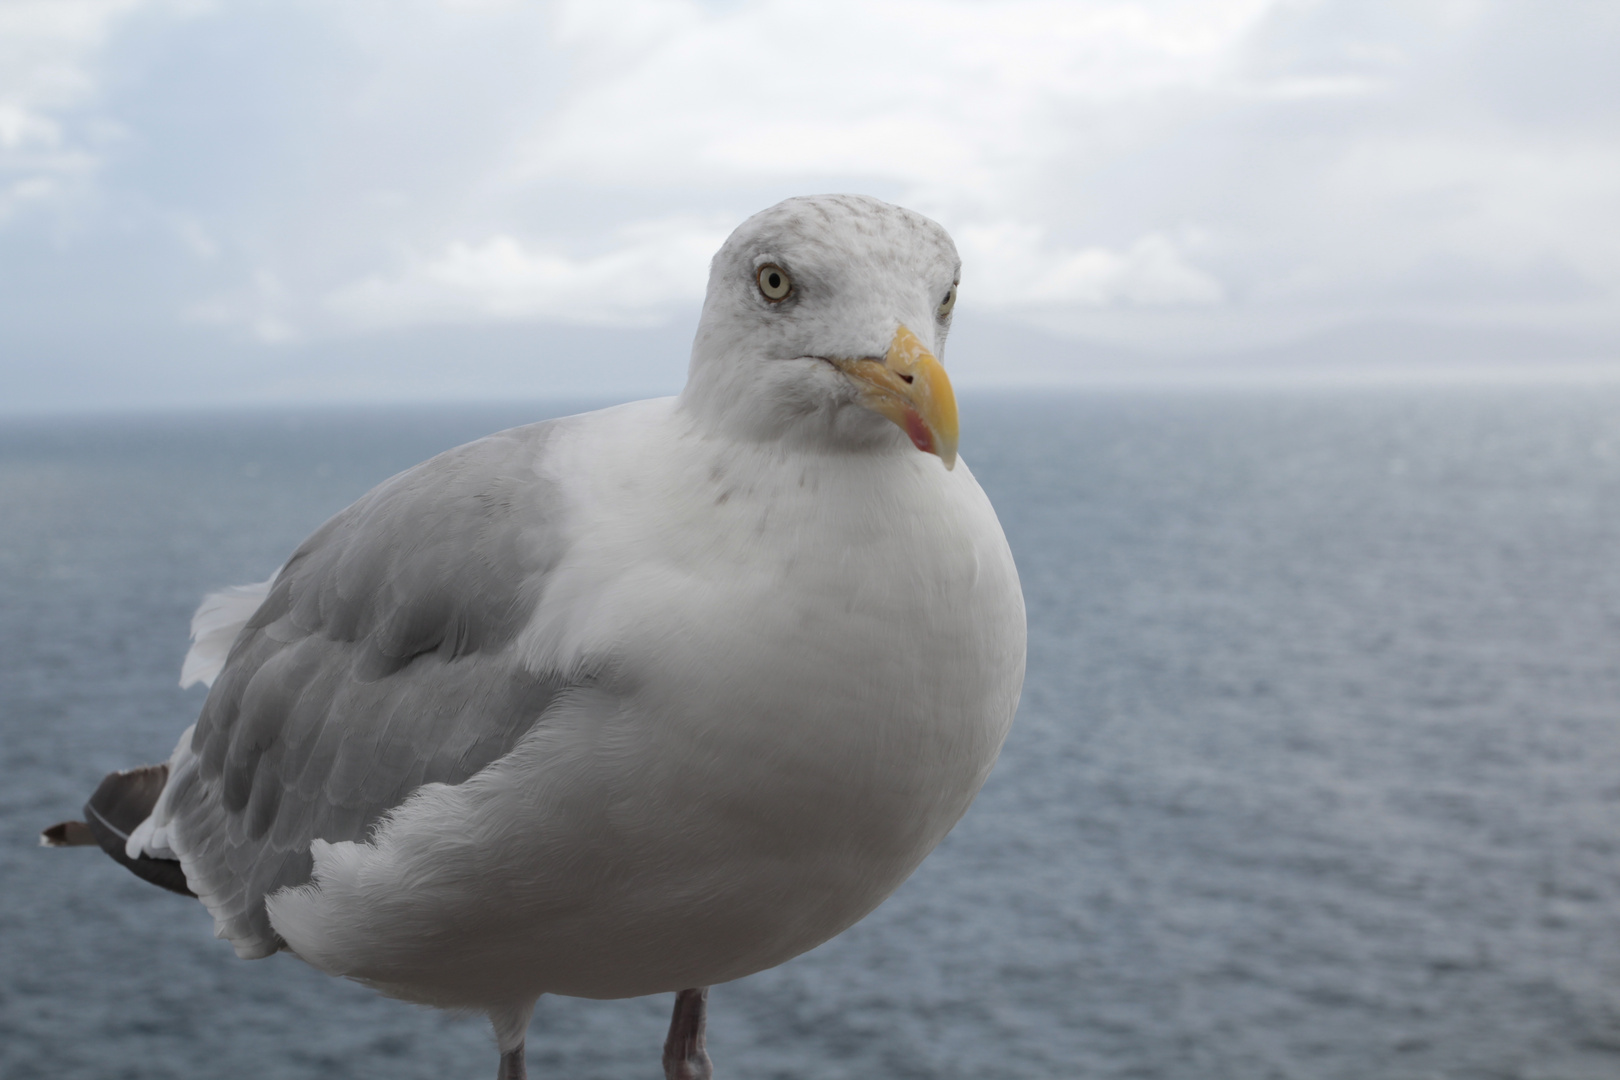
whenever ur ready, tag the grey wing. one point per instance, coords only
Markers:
(381, 660)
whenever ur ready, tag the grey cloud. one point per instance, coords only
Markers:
(1436, 169)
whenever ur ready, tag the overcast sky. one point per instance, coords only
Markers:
(235, 202)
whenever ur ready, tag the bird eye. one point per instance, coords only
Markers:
(774, 282)
(949, 302)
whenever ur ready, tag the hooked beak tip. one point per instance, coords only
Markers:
(909, 387)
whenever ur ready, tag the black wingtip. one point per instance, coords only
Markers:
(121, 803)
(68, 834)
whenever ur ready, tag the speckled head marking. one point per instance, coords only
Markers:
(856, 270)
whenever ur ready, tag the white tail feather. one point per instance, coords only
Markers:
(151, 836)
(219, 618)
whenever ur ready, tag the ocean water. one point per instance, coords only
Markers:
(1317, 772)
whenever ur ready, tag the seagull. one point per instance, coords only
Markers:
(636, 701)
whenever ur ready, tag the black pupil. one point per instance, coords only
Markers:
(774, 280)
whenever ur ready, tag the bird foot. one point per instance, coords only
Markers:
(684, 1055)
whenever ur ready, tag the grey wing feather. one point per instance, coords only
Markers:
(381, 660)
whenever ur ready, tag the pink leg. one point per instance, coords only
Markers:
(512, 1065)
(684, 1055)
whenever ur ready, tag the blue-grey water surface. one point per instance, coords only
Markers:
(1317, 772)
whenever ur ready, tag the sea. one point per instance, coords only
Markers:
(1316, 774)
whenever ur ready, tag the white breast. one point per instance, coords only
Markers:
(790, 688)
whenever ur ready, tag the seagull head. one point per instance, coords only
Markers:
(823, 324)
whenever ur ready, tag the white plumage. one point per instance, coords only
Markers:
(639, 700)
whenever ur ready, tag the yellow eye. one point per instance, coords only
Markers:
(774, 282)
(949, 302)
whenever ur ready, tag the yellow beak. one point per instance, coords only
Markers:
(909, 387)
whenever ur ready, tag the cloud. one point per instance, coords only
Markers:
(943, 94)
(1328, 156)
(1021, 270)
(262, 307)
(666, 94)
(651, 267)
(1193, 175)
(42, 72)
(48, 77)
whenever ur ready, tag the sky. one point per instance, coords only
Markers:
(339, 201)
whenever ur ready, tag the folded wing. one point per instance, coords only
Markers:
(380, 660)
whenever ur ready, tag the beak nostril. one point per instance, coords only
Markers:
(907, 385)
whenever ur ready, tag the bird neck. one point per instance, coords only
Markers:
(793, 403)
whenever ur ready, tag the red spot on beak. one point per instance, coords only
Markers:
(921, 437)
